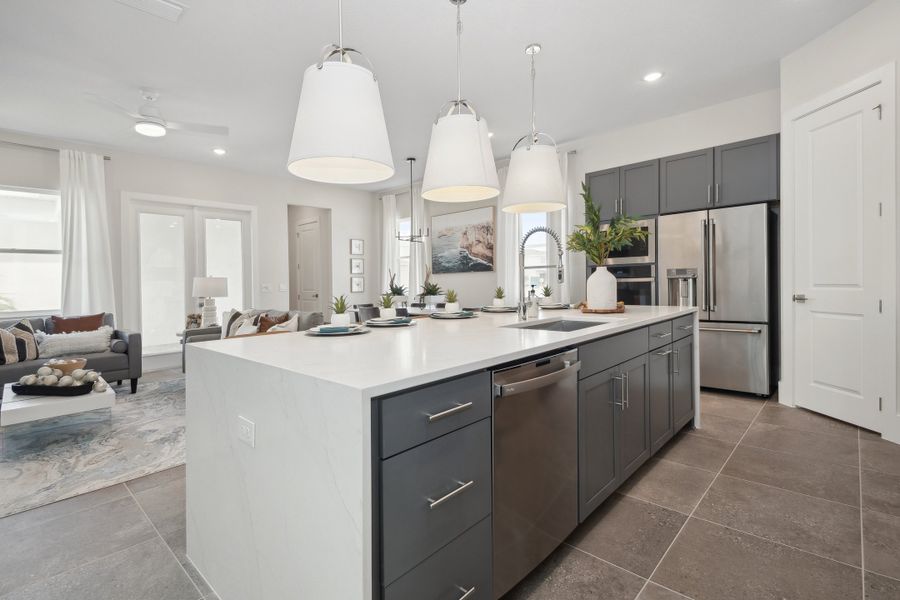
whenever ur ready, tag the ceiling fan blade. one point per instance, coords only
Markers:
(109, 104)
(198, 128)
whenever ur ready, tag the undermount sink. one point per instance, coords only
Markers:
(560, 325)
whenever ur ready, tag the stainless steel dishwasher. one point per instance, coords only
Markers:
(535, 500)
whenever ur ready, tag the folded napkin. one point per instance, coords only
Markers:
(333, 329)
(400, 320)
(460, 313)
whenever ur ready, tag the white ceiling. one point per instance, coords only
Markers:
(239, 63)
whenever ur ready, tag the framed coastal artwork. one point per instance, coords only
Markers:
(463, 242)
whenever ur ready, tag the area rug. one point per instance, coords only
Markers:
(55, 459)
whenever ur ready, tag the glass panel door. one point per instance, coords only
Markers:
(163, 275)
(224, 252)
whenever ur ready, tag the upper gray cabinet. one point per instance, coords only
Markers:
(604, 187)
(686, 181)
(640, 189)
(747, 172)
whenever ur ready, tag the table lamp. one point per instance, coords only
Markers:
(210, 288)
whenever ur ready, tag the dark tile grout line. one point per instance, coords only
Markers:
(688, 520)
(165, 543)
(862, 533)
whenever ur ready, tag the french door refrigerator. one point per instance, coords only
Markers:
(729, 247)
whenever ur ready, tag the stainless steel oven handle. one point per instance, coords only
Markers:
(432, 503)
(635, 279)
(449, 412)
(519, 387)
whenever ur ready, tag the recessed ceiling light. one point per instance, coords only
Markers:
(219, 151)
(150, 128)
(654, 76)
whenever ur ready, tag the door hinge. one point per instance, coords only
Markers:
(878, 108)
(879, 403)
(880, 213)
(881, 306)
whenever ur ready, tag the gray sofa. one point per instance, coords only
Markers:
(208, 334)
(114, 366)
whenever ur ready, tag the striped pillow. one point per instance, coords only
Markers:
(17, 343)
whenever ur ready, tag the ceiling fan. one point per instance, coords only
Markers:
(149, 121)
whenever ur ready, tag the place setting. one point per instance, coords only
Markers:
(337, 330)
(390, 322)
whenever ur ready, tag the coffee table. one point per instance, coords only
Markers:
(17, 408)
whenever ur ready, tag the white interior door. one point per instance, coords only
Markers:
(309, 267)
(842, 176)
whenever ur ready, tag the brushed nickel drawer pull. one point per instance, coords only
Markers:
(462, 487)
(662, 335)
(466, 592)
(664, 353)
(685, 327)
(449, 412)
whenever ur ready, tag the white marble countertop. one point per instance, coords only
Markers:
(391, 359)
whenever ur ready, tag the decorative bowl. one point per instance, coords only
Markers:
(66, 365)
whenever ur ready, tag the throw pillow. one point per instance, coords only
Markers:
(80, 342)
(73, 324)
(247, 328)
(266, 322)
(118, 346)
(18, 343)
(289, 325)
(233, 321)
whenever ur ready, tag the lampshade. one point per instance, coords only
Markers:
(340, 135)
(210, 287)
(460, 165)
(534, 181)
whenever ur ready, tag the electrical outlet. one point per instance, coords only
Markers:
(246, 431)
(266, 287)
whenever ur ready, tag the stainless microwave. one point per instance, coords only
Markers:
(640, 252)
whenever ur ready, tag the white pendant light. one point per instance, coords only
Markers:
(460, 165)
(340, 135)
(534, 181)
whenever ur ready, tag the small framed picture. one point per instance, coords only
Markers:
(357, 285)
(356, 266)
(357, 247)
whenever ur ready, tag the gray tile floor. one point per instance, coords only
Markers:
(764, 502)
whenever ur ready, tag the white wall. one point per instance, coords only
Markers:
(353, 211)
(863, 43)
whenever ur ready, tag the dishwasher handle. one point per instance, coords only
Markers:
(519, 387)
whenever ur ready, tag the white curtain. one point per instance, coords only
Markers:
(87, 278)
(506, 246)
(389, 253)
(572, 215)
(419, 254)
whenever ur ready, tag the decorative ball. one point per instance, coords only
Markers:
(30, 380)
(91, 376)
(23, 379)
(65, 380)
(43, 371)
(58, 373)
(100, 386)
(78, 374)
(49, 380)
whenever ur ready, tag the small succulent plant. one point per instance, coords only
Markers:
(451, 296)
(339, 304)
(547, 291)
(387, 301)
(431, 289)
(499, 294)
(395, 288)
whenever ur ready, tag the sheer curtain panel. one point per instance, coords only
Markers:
(507, 245)
(389, 252)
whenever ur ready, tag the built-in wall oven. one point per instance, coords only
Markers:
(635, 284)
(641, 251)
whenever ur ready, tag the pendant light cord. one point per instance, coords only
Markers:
(458, 68)
(341, 26)
(533, 128)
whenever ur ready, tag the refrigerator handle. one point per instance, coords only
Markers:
(712, 267)
(704, 231)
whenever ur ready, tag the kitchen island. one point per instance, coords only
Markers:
(301, 451)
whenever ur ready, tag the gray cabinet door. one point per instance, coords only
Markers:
(596, 440)
(640, 189)
(660, 397)
(604, 186)
(633, 432)
(747, 172)
(686, 181)
(682, 382)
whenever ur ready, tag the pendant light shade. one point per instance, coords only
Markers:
(340, 135)
(534, 182)
(460, 166)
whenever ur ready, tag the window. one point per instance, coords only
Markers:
(536, 252)
(403, 228)
(30, 251)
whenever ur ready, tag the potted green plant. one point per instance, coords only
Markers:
(597, 242)
(547, 295)
(499, 297)
(397, 289)
(340, 316)
(431, 292)
(386, 306)
(452, 304)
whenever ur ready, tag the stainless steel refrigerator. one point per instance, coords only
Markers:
(729, 247)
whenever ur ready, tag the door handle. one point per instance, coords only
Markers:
(662, 335)
(800, 298)
(626, 396)
(664, 353)
(712, 267)
(730, 330)
(462, 487)
(708, 195)
(621, 380)
(704, 230)
(717, 195)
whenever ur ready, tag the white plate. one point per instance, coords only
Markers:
(354, 330)
(556, 306)
(498, 309)
(453, 315)
(388, 323)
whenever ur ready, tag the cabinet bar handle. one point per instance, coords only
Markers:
(625, 394)
(621, 380)
(662, 335)
(708, 194)
(466, 592)
(449, 412)
(462, 487)
(730, 330)
(685, 327)
(665, 353)
(717, 194)
(675, 370)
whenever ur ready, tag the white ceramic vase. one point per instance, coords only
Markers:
(601, 290)
(387, 313)
(340, 319)
(432, 301)
(451, 307)
(499, 302)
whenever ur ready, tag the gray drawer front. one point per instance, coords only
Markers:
(404, 418)
(411, 530)
(461, 565)
(660, 334)
(683, 327)
(603, 354)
